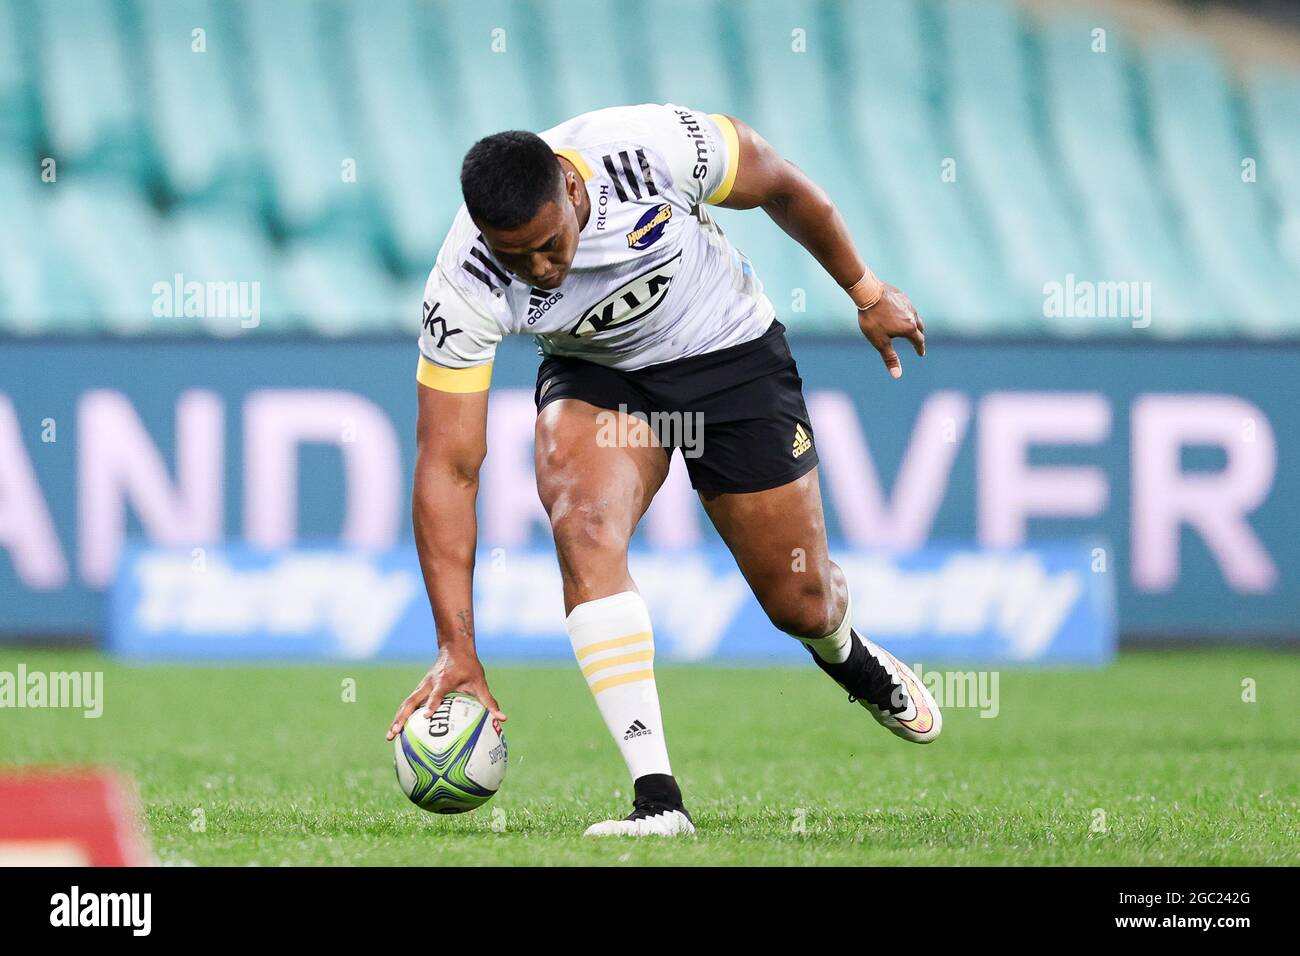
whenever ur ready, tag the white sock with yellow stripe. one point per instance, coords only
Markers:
(614, 646)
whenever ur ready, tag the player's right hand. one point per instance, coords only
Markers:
(892, 317)
(454, 671)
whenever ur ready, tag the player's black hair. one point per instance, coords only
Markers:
(507, 177)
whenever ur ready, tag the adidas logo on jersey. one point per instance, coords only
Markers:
(540, 302)
(802, 440)
(633, 301)
(637, 729)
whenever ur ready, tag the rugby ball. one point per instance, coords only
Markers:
(453, 761)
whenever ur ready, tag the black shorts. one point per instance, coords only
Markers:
(737, 414)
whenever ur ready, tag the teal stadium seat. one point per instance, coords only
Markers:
(951, 273)
(861, 200)
(406, 116)
(495, 51)
(1121, 197)
(1002, 153)
(596, 56)
(18, 102)
(115, 241)
(93, 119)
(1194, 126)
(214, 244)
(42, 291)
(790, 104)
(1273, 100)
(690, 66)
(207, 152)
(341, 289)
(299, 95)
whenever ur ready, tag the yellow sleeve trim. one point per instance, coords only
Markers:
(733, 158)
(579, 163)
(476, 378)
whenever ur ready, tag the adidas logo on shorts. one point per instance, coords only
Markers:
(802, 441)
(637, 729)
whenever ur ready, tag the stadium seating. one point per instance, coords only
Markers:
(17, 96)
(203, 153)
(412, 161)
(978, 150)
(92, 110)
(1274, 102)
(1223, 217)
(990, 92)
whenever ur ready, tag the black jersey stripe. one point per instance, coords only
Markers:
(478, 273)
(613, 174)
(491, 266)
(645, 172)
(627, 169)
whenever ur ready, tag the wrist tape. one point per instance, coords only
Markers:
(867, 291)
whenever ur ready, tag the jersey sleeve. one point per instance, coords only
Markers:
(702, 152)
(458, 338)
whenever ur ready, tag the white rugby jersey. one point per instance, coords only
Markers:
(653, 279)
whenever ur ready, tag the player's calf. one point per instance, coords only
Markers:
(805, 606)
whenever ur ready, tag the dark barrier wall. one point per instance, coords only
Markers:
(1178, 461)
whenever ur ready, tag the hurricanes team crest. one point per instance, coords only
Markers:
(650, 227)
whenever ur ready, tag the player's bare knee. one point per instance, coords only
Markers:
(592, 551)
(585, 534)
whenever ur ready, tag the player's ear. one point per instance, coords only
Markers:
(573, 188)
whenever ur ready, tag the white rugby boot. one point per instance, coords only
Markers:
(657, 810)
(888, 690)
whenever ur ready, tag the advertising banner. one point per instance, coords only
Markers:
(955, 605)
(1181, 462)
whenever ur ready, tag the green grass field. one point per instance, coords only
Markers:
(286, 772)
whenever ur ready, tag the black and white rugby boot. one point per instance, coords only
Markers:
(888, 689)
(657, 810)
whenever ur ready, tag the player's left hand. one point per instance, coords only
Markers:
(893, 317)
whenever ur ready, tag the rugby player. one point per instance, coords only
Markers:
(595, 237)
